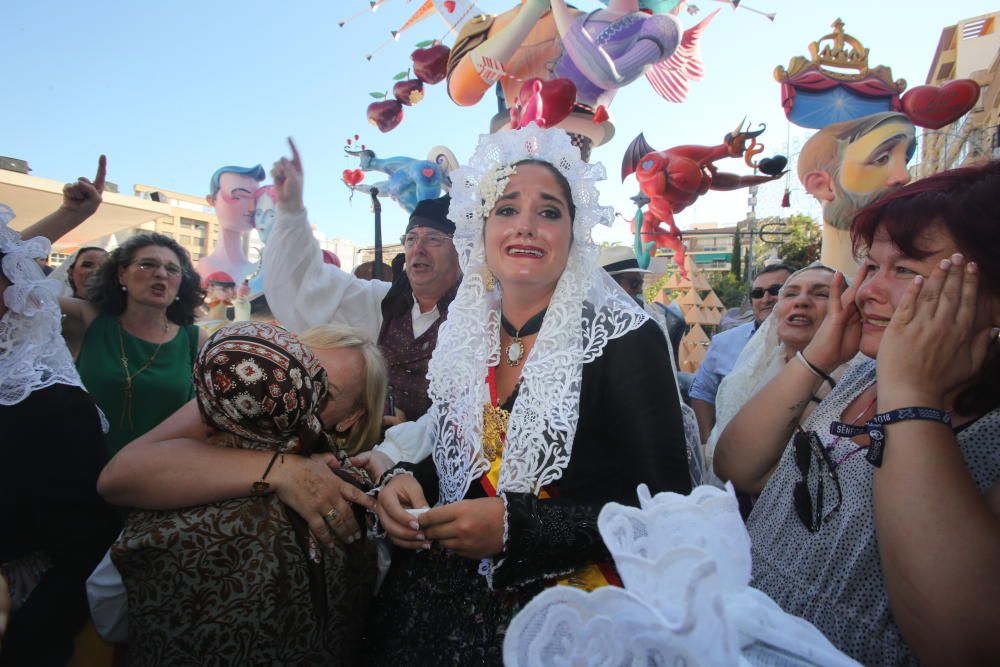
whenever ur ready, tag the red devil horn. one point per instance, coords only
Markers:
(752, 135)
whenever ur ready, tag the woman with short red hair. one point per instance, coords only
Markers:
(879, 515)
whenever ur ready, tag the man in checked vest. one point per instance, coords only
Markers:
(403, 316)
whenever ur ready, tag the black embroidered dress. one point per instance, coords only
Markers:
(436, 609)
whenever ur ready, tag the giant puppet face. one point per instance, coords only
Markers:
(849, 165)
(234, 201)
(264, 211)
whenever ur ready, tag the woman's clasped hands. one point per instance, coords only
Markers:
(470, 528)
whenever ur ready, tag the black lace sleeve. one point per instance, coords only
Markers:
(546, 538)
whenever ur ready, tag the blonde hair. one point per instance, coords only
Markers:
(366, 431)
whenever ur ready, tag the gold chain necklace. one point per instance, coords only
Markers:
(129, 377)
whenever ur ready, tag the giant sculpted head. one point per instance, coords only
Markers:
(848, 165)
(851, 164)
(232, 194)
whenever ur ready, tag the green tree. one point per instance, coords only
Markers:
(737, 259)
(727, 287)
(802, 245)
(650, 293)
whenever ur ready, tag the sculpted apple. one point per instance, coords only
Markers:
(430, 65)
(385, 115)
(408, 92)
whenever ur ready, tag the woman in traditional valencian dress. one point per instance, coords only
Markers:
(553, 395)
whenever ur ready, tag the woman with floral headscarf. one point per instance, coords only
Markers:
(243, 581)
(552, 395)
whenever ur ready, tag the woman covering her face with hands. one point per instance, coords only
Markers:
(879, 519)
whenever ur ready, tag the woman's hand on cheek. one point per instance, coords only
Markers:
(470, 528)
(838, 337)
(930, 346)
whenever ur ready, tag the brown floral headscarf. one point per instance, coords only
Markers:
(259, 382)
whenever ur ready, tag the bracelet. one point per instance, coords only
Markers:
(260, 487)
(876, 434)
(815, 370)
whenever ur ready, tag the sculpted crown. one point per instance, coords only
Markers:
(838, 49)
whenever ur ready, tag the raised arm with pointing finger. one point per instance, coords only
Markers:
(403, 317)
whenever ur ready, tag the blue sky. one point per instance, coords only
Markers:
(171, 91)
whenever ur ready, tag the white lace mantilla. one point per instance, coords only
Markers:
(685, 563)
(587, 310)
(33, 354)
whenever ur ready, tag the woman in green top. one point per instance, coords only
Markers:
(135, 342)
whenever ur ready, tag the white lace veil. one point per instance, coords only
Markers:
(587, 310)
(61, 275)
(33, 354)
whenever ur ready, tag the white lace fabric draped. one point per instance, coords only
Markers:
(587, 310)
(685, 563)
(33, 354)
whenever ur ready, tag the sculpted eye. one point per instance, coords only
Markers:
(880, 160)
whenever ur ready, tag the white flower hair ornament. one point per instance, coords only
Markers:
(478, 185)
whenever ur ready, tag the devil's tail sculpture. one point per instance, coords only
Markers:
(674, 179)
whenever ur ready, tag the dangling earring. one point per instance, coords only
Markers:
(489, 280)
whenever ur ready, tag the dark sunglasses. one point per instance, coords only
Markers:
(635, 283)
(810, 511)
(758, 292)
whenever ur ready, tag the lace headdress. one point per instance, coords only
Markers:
(33, 354)
(587, 310)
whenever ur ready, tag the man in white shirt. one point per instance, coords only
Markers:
(403, 316)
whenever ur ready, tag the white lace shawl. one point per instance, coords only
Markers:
(587, 310)
(33, 354)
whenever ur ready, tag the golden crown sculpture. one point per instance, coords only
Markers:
(835, 52)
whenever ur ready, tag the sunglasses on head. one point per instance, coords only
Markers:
(758, 292)
(809, 510)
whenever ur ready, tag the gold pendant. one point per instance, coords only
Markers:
(514, 352)
(494, 429)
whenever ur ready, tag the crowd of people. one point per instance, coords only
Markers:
(392, 471)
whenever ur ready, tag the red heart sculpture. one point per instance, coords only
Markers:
(545, 103)
(934, 107)
(353, 176)
(428, 172)
(449, 5)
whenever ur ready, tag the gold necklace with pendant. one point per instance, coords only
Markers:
(514, 352)
(129, 377)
